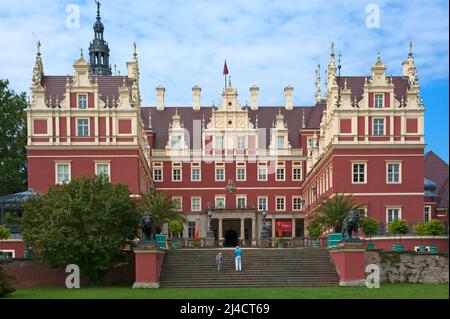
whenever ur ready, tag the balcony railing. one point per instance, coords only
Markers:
(225, 153)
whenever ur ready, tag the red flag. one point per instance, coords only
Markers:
(225, 68)
(197, 230)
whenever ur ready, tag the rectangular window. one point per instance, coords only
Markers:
(176, 174)
(220, 202)
(379, 101)
(359, 173)
(62, 173)
(195, 174)
(262, 203)
(378, 127)
(240, 174)
(280, 174)
(219, 143)
(393, 173)
(176, 142)
(157, 174)
(262, 173)
(426, 213)
(196, 205)
(82, 127)
(102, 169)
(297, 174)
(220, 174)
(310, 143)
(191, 229)
(280, 201)
(393, 213)
(8, 253)
(297, 203)
(240, 145)
(177, 203)
(241, 202)
(82, 101)
(280, 141)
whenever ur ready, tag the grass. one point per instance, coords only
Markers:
(386, 291)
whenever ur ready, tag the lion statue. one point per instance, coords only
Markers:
(147, 227)
(351, 225)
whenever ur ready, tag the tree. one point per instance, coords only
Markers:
(421, 228)
(162, 209)
(175, 227)
(4, 232)
(332, 211)
(13, 138)
(86, 222)
(6, 287)
(434, 227)
(369, 227)
(398, 226)
(315, 228)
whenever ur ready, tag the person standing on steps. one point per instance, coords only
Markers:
(219, 261)
(237, 258)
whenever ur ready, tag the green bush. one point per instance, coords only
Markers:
(6, 287)
(435, 227)
(369, 226)
(175, 227)
(4, 232)
(421, 228)
(315, 229)
(398, 226)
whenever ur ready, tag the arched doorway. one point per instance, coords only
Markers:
(231, 238)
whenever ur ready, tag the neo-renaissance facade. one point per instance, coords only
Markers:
(364, 136)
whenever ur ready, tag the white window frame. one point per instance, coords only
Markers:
(199, 202)
(258, 177)
(399, 172)
(375, 105)
(88, 126)
(179, 142)
(293, 174)
(365, 172)
(69, 164)
(240, 139)
(181, 174)
(78, 101)
(373, 126)
(215, 174)
(266, 202)
(310, 143)
(393, 208)
(294, 198)
(217, 197)
(11, 251)
(175, 198)
(284, 203)
(216, 139)
(154, 174)
(103, 163)
(284, 174)
(424, 213)
(238, 197)
(199, 174)
(279, 137)
(237, 174)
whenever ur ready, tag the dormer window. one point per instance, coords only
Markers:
(82, 101)
(176, 142)
(280, 142)
(379, 101)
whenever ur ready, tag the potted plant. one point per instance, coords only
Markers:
(175, 227)
(421, 229)
(369, 228)
(196, 243)
(279, 242)
(398, 226)
(434, 228)
(315, 229)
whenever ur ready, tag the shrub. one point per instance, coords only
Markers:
(6, 287)
(4, 232)
(369, 226)
(421, 228)
(434, 227)
(398, 226)
(175, 227)
(315, 229)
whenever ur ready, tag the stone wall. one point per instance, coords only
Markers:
(410, 267)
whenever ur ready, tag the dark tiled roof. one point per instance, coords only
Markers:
(55, 86)
(437, 170)
(266, 116)
(356, 84)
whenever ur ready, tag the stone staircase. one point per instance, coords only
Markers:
(288, 267)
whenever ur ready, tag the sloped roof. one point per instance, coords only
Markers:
(437, 170)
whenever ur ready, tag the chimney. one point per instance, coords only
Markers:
(254, 90)
(196, 90)
(288, 101)
(160, 91)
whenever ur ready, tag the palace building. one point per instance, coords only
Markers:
(229, 164)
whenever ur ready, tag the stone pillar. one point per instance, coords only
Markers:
(242, 237)
(220, 235)
(253, 231)
(293, 227)
(350, 262)
(148, 262)
(273, 231)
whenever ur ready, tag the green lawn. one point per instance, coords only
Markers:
(388, 291)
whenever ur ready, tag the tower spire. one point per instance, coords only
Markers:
(318, 95)
(98, 48)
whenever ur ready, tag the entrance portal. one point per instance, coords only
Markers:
(231, 238)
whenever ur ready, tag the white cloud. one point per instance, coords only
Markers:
(267, 43)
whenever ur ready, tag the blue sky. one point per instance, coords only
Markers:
(267, 43)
